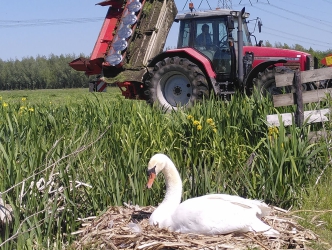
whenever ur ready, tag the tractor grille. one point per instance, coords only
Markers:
(292, 65)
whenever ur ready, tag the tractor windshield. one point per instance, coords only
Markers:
(211, 36)
(209, 33)
(203, 34)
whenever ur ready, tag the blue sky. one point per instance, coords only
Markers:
(40, 27)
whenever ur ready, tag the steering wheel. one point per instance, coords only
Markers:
(223, 42)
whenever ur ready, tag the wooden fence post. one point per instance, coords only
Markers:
(298, 97)
(297, 83)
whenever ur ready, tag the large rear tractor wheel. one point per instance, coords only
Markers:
(176, 82)
(265, 82)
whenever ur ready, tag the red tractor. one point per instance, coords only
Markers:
(214, 54)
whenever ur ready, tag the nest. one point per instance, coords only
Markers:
(128, 228)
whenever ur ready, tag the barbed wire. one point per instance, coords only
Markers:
(297, 40)
(296, 21)
(321, 43)
(45, 22)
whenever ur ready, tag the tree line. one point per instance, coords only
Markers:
(54, 72)
(41, 72)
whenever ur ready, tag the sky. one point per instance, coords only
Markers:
(39, 27)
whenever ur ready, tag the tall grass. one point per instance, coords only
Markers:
(68, 160)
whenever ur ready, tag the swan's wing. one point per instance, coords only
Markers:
(210, 215)
(260, 207)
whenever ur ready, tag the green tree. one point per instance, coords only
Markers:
(268, 44)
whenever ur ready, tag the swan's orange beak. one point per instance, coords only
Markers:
(152, 176)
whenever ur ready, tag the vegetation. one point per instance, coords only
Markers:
(42, 72)
(63, 160)
(316, 211)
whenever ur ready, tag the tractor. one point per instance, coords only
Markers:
(214, 55)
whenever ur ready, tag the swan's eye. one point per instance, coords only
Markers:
(151, 171)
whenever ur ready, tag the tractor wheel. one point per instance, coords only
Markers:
(176, 82)
(266, 84)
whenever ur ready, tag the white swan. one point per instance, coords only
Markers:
(208, 214)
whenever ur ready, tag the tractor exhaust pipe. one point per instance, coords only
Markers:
(240, 46)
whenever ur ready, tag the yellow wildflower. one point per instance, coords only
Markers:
(273, 132)
(31, 109)
(214, 130)
(196, 123)
(199, 127)
(190, 117)
(209, 121)
(24, 99)
(23, 108)
(5, 104)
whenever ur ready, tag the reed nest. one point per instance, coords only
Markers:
(128, 227)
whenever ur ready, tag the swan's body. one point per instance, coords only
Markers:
(208, 214)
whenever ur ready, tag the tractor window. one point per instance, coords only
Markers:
(223, 34)
(246, 37)
(184, 35)
(204, 34)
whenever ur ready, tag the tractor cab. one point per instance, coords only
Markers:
(213, 34)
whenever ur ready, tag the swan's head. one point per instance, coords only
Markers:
(156, 164)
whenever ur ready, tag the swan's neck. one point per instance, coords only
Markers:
(173, 185)
(163, 214)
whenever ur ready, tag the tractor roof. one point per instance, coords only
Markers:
(207, 13)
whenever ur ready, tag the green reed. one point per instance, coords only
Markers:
(68, 160)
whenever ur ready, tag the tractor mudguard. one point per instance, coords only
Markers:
(259, 68)
(191, 54)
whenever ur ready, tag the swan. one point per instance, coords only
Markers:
(209, 214)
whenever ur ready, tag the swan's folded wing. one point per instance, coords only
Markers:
(213, 215)
(260, 207)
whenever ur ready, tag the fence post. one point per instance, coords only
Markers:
(299, 114)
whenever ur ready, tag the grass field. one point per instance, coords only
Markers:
(70, 154)
(56, 96)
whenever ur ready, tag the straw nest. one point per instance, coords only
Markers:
(127, 227)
